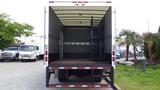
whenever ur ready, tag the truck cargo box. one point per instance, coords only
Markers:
(80, 34)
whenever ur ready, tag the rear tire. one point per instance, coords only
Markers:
(62, 75)
(22, 60)
(98, 75)
(47, 76)
(38, 58)
(35, 60)
(16, 58)
(2, 60)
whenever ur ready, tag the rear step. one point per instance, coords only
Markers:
(56, 67)
(109, 84)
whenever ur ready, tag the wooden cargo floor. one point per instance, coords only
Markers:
(77, 61)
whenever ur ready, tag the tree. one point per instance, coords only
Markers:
(131, 38)
(137, 40)
(9, 29)
(152, 47)
(127, 34)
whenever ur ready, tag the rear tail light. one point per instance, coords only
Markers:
(113, 55)
(113, 58)
(46, 55)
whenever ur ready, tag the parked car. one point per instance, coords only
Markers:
(118, 55)
(10, 53)
(28, 52)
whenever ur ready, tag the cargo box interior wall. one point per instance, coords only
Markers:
(55, 27)
(80, 35)
(107, 24)
(76, 42)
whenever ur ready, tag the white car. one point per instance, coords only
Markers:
(10, 53)
(28, 52)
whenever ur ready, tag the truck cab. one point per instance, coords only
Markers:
(28, 52)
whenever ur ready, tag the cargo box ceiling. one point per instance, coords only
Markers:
(80, 15)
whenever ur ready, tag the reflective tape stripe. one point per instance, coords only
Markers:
(87, 67)
(46, 58)
(97, 86)
(109, 86)
(100, 68)
(74, 67)
(80, 67)
(71, 85)
(61, 67)
(84, 85)
(113, 56)
(58, 86)
(46, 55)
(50, 67)
(79, 86)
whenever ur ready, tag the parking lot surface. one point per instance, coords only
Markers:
(27, 76)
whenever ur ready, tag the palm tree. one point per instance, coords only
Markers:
(131, 38)
(137, 40)
(152, 46)
(128, 37)
(149, 41)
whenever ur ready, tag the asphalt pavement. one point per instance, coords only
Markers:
(27, 76)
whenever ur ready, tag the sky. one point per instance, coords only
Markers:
(25, 11)
(136, 15)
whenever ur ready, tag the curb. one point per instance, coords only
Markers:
(116, 87)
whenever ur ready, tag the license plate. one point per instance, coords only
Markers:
(6, 57)
(26, 58)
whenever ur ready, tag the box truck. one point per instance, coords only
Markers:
(79, 42)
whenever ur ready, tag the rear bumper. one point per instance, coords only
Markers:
(26, 58)
(7, 57)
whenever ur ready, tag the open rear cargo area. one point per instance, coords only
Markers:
(80, 35)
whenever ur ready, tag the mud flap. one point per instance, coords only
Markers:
(47, 76)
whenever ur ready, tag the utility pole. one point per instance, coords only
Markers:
(115, 22)
(148, 25)
(44, 36)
